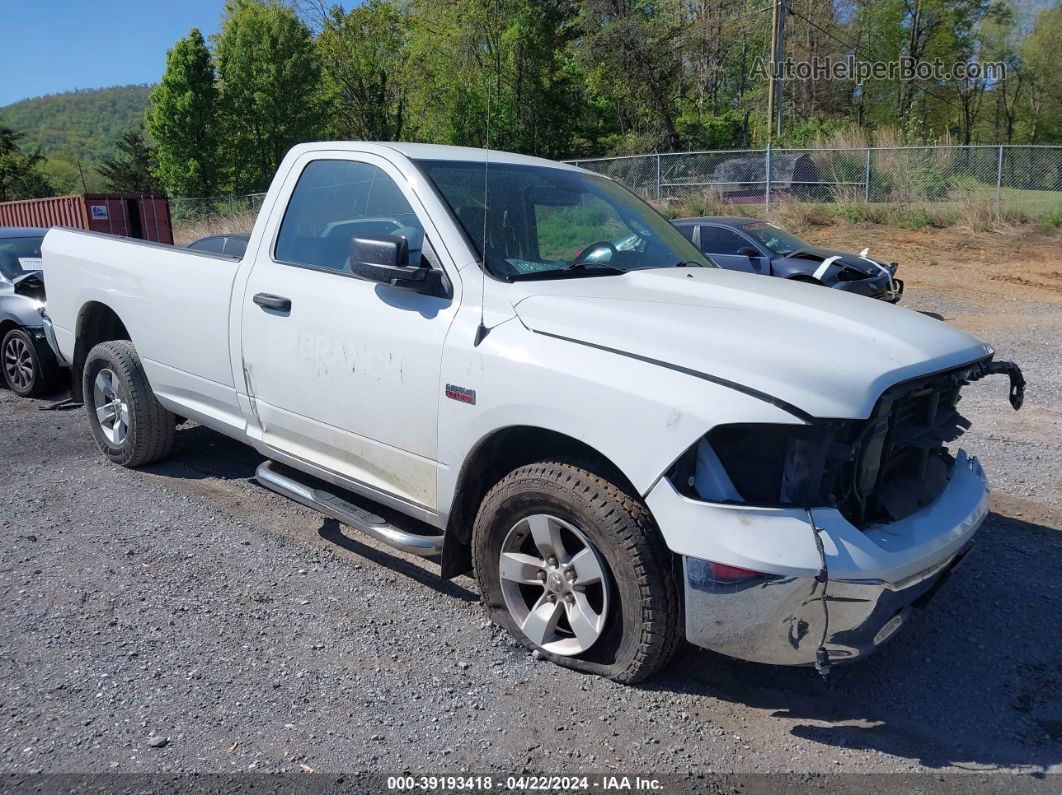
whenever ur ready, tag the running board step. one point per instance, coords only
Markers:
(346, 512)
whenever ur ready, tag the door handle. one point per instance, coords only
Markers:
(277, 302)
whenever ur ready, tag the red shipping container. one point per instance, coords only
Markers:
(142, 216)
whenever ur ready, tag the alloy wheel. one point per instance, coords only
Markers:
(18, 363)
(112, 408)
(555, 584)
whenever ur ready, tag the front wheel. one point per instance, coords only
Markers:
(128, 423)
(575, 568)
(27, 372)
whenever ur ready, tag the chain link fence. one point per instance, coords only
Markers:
(1022, 182)
(194, 218)
(1025, 180)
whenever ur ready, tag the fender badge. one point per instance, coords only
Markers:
(461, 394)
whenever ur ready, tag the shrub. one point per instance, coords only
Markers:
(910, 217)
(860, 212)
(1051, 219)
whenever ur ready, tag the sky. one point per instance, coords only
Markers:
(50, 46)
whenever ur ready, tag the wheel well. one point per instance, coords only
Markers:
(498, 455)
(97, 323)
(6, 326)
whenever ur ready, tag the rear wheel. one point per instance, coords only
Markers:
(574, 568)
(128, 423)
(27, 372)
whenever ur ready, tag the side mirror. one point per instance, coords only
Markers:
(385, 259)
(748, 251)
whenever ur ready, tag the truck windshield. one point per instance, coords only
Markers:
(19, 255)
(775, 238)
(541, 222)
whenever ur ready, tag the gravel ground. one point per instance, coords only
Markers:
(181, 618)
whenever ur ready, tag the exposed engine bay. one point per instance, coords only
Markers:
(31, 286)
(873, 471)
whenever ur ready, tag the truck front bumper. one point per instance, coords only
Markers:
(875, 576)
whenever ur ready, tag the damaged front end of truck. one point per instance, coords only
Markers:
(877, 510)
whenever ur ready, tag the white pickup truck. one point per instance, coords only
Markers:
(625, 443)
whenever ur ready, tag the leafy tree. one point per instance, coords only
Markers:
(364, 56)
(503, 59)
(133, 169)
(20, 173)
(269, 80)
(630, 50)
(65, 176)
(183, 120)
(1040, 52)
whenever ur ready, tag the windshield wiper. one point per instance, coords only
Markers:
(580, 268)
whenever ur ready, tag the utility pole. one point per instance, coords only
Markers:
(774, 87)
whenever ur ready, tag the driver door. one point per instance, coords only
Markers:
(341, 372)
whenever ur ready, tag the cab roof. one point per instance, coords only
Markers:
(415, 151)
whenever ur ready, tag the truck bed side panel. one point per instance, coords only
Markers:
(173, 302)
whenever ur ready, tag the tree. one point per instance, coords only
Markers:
(183, 120)
(269, 82)
(508, 60)
(629, 50)
(133, 169)
(1040, 52)
(20, 174)
(363, 56)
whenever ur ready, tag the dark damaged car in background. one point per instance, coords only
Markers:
(756, 246)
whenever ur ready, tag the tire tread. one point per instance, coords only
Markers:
(627, 519)
(152, 426)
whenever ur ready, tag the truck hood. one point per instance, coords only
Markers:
(827, 353)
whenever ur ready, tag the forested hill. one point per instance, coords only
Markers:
(75, 125)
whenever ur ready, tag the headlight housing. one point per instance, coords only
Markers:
(768, 464)
(851, 275)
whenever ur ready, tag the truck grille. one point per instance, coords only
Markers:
(902, 458)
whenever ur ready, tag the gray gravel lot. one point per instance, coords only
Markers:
(181, 618)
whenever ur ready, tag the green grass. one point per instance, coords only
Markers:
(976, 209)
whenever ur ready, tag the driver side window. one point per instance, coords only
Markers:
(336, 200)
(716, 240)
(565, 231)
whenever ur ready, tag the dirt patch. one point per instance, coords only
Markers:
(1040, 518)
(1013, 278)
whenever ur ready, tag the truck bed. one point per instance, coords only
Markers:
(173, 301)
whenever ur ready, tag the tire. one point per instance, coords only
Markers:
(128, 423)
(27, 372)
(637, 607)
